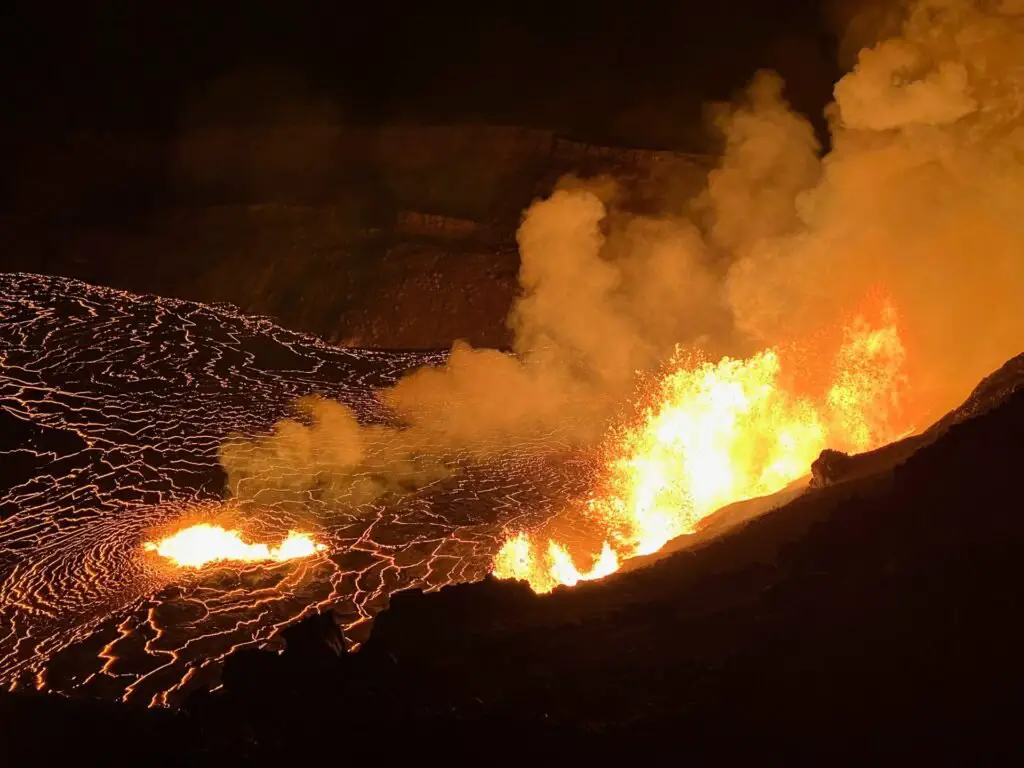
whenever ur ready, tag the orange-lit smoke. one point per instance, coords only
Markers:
(716, 433)
(919, 193)
(918, 199)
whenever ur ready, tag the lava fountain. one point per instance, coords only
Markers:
(202, 544)
(718, 433)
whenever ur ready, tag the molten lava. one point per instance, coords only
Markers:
(201, 544)
(517, 560)
(719, 433)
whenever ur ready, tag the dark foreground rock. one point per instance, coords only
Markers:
(829, 468)
(833, 467)
(875, 620)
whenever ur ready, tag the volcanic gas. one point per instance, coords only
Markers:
(716, 433)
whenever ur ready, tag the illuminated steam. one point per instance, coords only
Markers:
(920, 194)
(917, 201)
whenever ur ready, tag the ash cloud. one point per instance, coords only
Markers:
(918, 198)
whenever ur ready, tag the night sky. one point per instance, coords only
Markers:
(635, 73)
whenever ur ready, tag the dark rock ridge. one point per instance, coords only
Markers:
(868, 620)
(833, 466)
(992, 392)
(830, 467)
(396, 237)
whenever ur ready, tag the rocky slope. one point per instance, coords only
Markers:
(397, 237)
(865, 620)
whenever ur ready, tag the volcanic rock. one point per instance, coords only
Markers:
(314, 656)
(991, 392)
(318, 639)
(868, 619)
(829, 468)
(832, 466)
(391, 236)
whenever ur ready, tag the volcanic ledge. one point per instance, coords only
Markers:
(873, 617)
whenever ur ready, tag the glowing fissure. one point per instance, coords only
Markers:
(203, 544)
(719, 433)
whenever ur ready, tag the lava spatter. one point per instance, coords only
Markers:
(718, 433)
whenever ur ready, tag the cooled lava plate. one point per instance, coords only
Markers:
(112, 409)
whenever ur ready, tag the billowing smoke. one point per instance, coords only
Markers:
(918, 200)
(596, 308)
(920, 196)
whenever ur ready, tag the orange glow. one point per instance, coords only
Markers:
(202, 544)
(868, 386)
(517, 560)
(719, 433)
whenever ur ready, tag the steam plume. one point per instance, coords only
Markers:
(920, 195)
(918, 198)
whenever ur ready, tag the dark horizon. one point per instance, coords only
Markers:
(640, 76)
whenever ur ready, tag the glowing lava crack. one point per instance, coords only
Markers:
(113, 411)
(202, 544)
